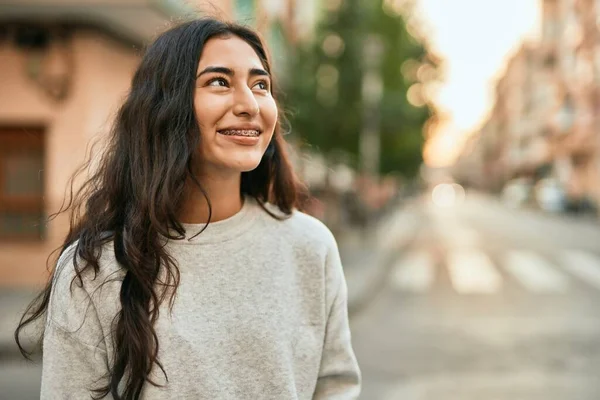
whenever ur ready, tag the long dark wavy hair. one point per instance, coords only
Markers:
(136, 192)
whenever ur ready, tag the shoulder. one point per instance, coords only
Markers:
(312, 227)
(79, 290)
(71, 265)
(303, 229)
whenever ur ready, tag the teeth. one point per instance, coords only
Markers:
(240, 132)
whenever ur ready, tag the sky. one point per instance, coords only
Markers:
(475, 38)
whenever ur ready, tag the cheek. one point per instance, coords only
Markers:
(209, 110)
(269, 112)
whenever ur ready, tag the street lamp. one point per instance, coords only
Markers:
(372, 92)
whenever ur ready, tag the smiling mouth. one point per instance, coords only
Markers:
(240, 132)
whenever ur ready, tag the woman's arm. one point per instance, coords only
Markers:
(70, 368)
(74, 355)
(339, 375)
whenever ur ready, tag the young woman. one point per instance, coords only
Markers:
(188, 271)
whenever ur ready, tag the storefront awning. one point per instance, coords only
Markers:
(136, 21)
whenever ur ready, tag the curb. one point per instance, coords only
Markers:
(395, 234)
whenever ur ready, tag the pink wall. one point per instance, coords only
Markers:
(100, 79)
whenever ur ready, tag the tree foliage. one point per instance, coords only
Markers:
(325, 80)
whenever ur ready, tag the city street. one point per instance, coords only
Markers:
(484, 286)
(486, 303)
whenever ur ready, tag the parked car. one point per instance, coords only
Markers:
(517, 192)
(550, 195)
(582, 206)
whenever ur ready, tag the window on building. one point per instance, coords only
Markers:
(550, 61)
(21, 183)
(551, 29)
(565, 117)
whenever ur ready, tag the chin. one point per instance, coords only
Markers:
(249, 168)
(246, 165)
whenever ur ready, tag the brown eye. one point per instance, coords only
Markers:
(262, 85)
(217, 82)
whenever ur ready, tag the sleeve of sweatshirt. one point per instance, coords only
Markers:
(74, 357)
(339, 376)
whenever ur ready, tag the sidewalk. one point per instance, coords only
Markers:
(367, 256)
(13, 302)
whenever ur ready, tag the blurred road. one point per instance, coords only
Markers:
(19, 380)
(486, 303)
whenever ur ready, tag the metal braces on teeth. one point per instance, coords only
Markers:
(240, 133)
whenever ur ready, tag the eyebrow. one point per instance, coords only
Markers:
(229, 71)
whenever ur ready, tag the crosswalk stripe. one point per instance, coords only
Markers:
(460, 237)
(472, 272)
(534, 272)
(414, 272)
(583, 265)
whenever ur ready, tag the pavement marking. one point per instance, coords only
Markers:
(397, 229)
(414, 272)
(459, 236)
(472, 272)
(583, 265)
(521, 383)
(534, 272)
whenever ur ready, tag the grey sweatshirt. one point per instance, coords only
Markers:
(260, 313)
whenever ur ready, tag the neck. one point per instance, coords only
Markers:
(224, 195)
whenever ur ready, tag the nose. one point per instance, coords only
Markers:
(245, 103)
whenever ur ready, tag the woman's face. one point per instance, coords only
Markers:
(234, 107)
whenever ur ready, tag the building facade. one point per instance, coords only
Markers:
(65, 67)
(547, 103)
